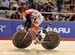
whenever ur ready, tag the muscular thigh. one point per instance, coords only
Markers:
(35, 31)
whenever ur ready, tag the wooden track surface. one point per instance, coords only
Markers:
(65, 48)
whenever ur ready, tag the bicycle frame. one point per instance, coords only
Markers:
(33, 35)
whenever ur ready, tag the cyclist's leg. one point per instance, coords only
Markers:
(27, 24)
(35, 32)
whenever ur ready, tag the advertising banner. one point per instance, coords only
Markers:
(64, 29)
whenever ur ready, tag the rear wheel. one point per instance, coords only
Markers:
(52, 40)
(19, 41)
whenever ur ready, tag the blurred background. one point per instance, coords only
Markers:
(52, 10)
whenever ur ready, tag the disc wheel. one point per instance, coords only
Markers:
(19, 41)
(52, 40)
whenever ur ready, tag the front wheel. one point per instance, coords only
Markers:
(19, 41)
(52, 40)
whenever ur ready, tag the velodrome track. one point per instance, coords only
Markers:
(65, 48)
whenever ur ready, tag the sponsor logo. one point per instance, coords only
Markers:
(2, 28)
(59, 30)
(19, 27)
